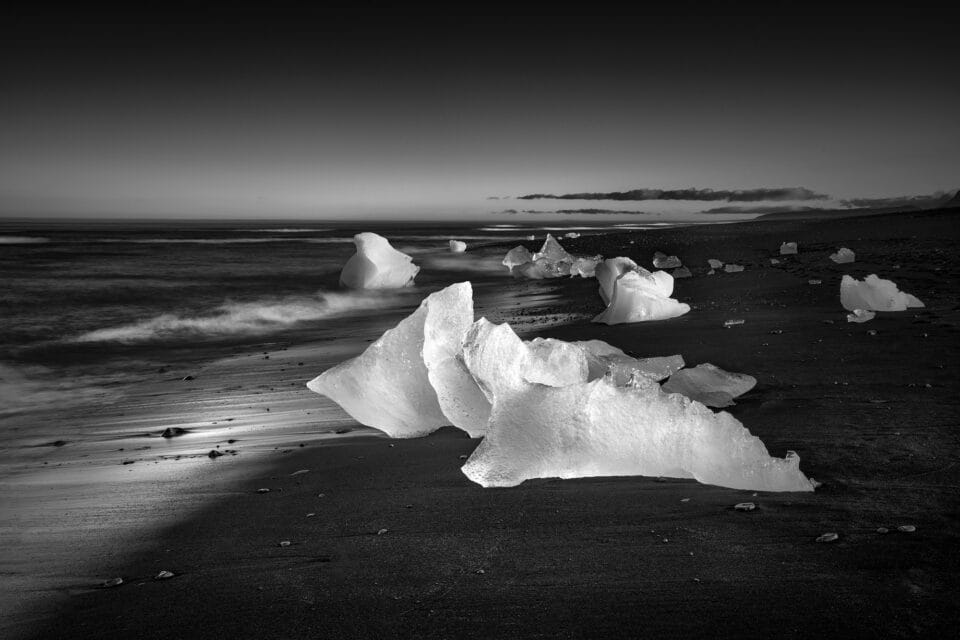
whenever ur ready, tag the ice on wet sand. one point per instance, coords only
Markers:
(709, 384)
(788, 248)
(874, 294)
(377, 265)
(599, 429)
(633, 294)
(405, 381)
(843, 256)
(457, 246)
(861, 315)
(663, 261)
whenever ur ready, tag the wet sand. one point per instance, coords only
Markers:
(874, 417)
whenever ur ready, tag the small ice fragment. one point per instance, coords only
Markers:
(843, 256)
(774, 261)
(552, 261)
(300, 472)
(585, 267)
(732, 268)
(814, 281)
(882, 530)
(382, 531)
(377, 265)
(828, 537)
(457, 246)
(714, 263)
(571, 235)
(164, 575)
(709, 384)
(874, 294)
(906, 528)
(733, 322)
(860, 315)
(112, 582)
(788, 248)
(745, 506)
(530, 238)
(263, 490)
(663, 261)
(517, 256)
(682, 272)
(284, 543)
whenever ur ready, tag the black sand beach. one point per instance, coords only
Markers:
(401, 544)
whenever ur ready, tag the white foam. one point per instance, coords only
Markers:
(263, 316)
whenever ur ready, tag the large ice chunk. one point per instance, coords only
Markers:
(377, 265)
(405, 381)
(709, 384)
(874, 294)
(640, 296)
(599, 429)
(607, 273)
(458, 246)
(843, 256)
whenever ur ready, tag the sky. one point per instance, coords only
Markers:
(348, 116)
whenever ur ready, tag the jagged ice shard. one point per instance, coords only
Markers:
(552, 261)
(457, 246)
(599, 429)
(709, 384)
(411, 381)
(874, 294)
(377, 265)
(633, 294)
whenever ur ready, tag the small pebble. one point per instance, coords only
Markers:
(284, 543)
(263, 490)
(883, 530)
(828, 537)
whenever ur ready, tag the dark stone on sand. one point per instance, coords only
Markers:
(214, 454)
(55, 443)
(341, 431)
(186, 378)
(173, 432)
(231, 440)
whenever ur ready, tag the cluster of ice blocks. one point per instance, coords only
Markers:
(550, 408)
(552, 261)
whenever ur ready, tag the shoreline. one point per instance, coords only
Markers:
(564, 558)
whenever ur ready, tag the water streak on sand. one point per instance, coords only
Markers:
(258, 317)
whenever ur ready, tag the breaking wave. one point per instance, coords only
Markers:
(22, 240)
(243, 318)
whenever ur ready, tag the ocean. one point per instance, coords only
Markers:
(101, 319)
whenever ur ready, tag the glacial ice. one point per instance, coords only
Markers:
(714, 263)
(517, 256)
(861, 315)
(605, 359)
(552, 261)
(682, 272)
(377, 265)
(457, 246)
(709, 384)
(571, 234)
(663, 261)
(634, 294)
(732, 268)
(874, 294)
(788, 248)
(405, 381)
(843, 256)
(599, 429)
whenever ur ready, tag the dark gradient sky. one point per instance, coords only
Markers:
(334, 115)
